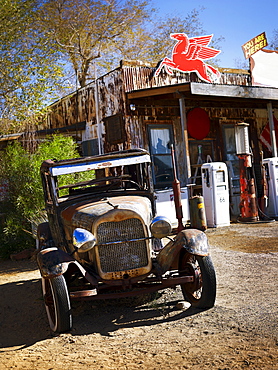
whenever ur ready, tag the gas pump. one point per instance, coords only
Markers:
(248, 201)
(216, 193)
(271, 168)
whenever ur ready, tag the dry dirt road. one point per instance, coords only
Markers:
(240, 332)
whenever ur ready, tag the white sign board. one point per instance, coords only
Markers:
(264, 68)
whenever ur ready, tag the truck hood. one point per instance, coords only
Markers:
(86, 215)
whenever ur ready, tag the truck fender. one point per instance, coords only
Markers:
(44, 238)
(54, 262)
(191, 240)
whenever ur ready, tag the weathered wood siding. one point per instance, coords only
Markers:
(107, 97)
(111, 89)
(107, 93)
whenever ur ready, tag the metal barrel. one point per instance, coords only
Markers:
(197, 213)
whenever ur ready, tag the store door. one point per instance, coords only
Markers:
(160, 140)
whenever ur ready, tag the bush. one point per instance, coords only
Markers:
(21, 170)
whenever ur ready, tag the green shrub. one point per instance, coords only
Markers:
(21, 170)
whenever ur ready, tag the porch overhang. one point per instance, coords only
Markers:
(210, 91)
(155, 91)
(234, 91)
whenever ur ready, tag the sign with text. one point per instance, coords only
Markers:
(254, 45)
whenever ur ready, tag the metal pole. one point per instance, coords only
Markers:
(177, 193)
(272, 129)
(99, 130)
(185, 139)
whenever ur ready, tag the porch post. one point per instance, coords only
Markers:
(185, 139)
(272, 129)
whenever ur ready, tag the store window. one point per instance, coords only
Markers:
(200, 151)
(161, 138)
(115, 131)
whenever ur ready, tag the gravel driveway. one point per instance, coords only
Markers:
(240, 332)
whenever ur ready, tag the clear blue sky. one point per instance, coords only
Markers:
(237, 21)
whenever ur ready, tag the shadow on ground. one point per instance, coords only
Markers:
(23, 319)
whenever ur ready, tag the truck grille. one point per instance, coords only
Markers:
(122, 256)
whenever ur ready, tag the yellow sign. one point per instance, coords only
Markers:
(254, 45)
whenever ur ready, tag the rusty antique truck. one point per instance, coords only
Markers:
(103, 239)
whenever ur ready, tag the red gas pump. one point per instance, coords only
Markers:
(248, 202)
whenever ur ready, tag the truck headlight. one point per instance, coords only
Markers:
(83, 239)
(160, 227)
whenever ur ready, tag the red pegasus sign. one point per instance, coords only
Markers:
(188, 55)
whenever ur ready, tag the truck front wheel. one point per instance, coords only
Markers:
(201, 292)
(57, 304)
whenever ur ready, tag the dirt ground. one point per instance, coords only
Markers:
(240, 332)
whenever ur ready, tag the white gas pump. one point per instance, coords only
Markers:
(216, 193)
(271, 169)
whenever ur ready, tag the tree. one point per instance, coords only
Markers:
(51, 45)
(29, 68)
(162, 43)
(20, 169)
(90, 33)
(82, 30)
(154, 43)
(274, 41)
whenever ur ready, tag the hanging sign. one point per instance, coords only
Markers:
(188, 55)
(254, 45)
